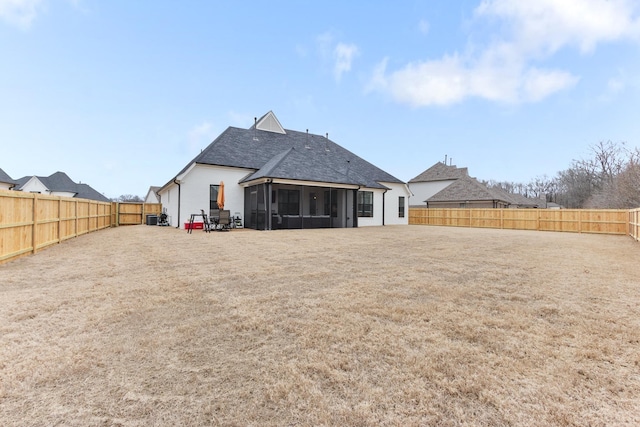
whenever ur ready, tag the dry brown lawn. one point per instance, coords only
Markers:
(391, 326)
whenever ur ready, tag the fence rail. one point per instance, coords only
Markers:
(30, 222)
(603, 221)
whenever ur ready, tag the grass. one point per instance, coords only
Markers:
(411, 326)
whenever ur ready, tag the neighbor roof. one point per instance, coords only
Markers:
(290, 155)
(4, 177)
(60, 182)
(467, 189)
(440, 172)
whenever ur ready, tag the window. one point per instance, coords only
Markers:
(213, 196)
(401, 207)
(289, 202)
(365, 203)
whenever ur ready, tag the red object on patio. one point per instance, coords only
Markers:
(194, 226)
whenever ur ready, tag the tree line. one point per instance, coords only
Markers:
(608, 179)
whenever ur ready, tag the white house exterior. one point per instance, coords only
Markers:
(276, 178)
(58, 184)
(434, 180)
(152, 195)
(35, 185)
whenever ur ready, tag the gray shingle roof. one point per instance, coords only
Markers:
(440, 172)
(293, 155)
(60, 182)
(467, 189)
(4, 177)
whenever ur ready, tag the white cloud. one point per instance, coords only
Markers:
(549, 25)
(507, 68)
(423, 26)
(343, 55)
(340, 55)
(20, 13)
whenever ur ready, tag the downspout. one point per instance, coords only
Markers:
(269, 206)
(383, 209)
(175, 181)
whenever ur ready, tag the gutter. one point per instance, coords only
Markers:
(175, 181)
(383, 209)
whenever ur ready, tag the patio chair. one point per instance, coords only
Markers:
(205, 220)
(214, 216)
(224, 220)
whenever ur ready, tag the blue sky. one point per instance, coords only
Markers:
(123, 94)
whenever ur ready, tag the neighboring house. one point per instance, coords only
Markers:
(58, 184)
(280, 178)
(522, 202)
(448, 186)
(152, 195)
(6, 182)
(467, 192)
(433, 180)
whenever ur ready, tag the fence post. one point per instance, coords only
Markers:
(34, 222)
(579, 221)
(59, 218)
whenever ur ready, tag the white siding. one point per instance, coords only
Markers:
(151, 197)
(5, 186)
(391, 204)
(34, 185)
(423, 190)
(195, 192)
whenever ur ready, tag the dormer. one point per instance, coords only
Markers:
(269, 123)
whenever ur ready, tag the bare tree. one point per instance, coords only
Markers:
(129, 198)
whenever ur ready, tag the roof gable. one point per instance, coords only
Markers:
(60, 182)
(269, 123)
(440, 172)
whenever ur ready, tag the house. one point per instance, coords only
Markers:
(520, 201)
(6, 182)
(279, 178)
(58, 184)
(433, 180)
(152, 195)
(467, 192)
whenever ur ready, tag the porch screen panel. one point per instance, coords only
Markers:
(331, 203)
(288, 202)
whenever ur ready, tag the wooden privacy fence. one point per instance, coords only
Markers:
(132, 213)
(634, 223)
(30, 222)
(604, 221)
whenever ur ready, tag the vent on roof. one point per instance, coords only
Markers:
(326, 143)
(306, 143)
(255, 128)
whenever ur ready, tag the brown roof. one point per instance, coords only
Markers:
(467, 189)
(441, 172)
